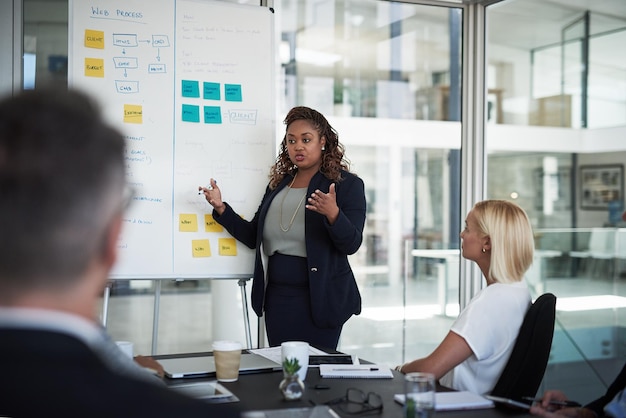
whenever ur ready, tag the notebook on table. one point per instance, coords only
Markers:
(204, 366)
(455, 400)
(355, 371)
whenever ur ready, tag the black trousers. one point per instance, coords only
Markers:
(288, 314)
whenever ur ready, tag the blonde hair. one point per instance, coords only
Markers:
(511, 236)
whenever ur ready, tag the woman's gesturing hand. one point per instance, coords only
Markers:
(324, 203)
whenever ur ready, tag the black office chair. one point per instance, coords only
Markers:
(524, 371)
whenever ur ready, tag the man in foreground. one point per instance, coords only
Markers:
(62, 195)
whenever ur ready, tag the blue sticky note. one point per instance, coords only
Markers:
(211, 91)
(191, 88)
(212, 114)
(232, 92)
(191, 113)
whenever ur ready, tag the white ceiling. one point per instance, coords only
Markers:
(537, 22)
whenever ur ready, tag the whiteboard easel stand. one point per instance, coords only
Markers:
(157, 304)
(246, 317)
(155, 316)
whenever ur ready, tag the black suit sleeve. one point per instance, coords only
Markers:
(618, 385)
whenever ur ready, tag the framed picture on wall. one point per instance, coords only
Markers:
(600, 185)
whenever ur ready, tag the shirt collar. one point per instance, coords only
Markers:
(51, 320)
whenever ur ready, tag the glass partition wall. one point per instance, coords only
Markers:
(558, 150)
(387, 76)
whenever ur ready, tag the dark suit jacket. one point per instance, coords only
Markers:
(618, 385)
(49, 374)
(334, 293)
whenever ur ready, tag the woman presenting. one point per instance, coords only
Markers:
(309, 220)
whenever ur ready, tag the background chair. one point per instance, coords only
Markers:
(620, 253)
(524, 371)
(598, 257)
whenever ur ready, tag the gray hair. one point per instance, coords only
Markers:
(62, 179)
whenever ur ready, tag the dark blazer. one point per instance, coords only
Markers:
(617, 386)
(334, 292)
(49, 374)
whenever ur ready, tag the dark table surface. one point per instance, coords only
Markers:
(259, 391)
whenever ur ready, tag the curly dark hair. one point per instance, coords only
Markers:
(333, 159)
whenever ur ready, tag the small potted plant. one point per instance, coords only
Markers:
(291, 386)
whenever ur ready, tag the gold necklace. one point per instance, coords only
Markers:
(282, 228)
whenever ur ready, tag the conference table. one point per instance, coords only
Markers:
(259, 391)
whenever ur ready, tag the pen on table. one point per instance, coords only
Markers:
(368, 369)
(553, 402)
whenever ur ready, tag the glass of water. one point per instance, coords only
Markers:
(419, 391)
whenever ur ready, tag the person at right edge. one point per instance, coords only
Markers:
(611, 404)
(308, 291)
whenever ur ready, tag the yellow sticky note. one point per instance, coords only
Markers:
(211, 225)
(133, 114)
(188, 222)
(201, 248)
(94, 39)
(228, 246)
(94, 67)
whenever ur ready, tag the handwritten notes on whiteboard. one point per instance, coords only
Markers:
(224, 114)
(133, 113)
(191, 86)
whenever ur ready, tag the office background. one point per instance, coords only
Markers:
(439, 104)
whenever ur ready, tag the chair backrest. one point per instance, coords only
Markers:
(525, 368)
(620, 243)
(602, 241)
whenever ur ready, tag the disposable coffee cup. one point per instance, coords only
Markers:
(298, 350)
(227, 356)
(126, 347)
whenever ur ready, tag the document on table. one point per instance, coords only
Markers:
(450, 401)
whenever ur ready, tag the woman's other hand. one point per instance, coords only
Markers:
(325, 203)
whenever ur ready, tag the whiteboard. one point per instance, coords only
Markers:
(191, 86)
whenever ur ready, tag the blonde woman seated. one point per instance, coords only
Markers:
(498, 237)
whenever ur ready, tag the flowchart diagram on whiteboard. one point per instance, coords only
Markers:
(190, 84)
